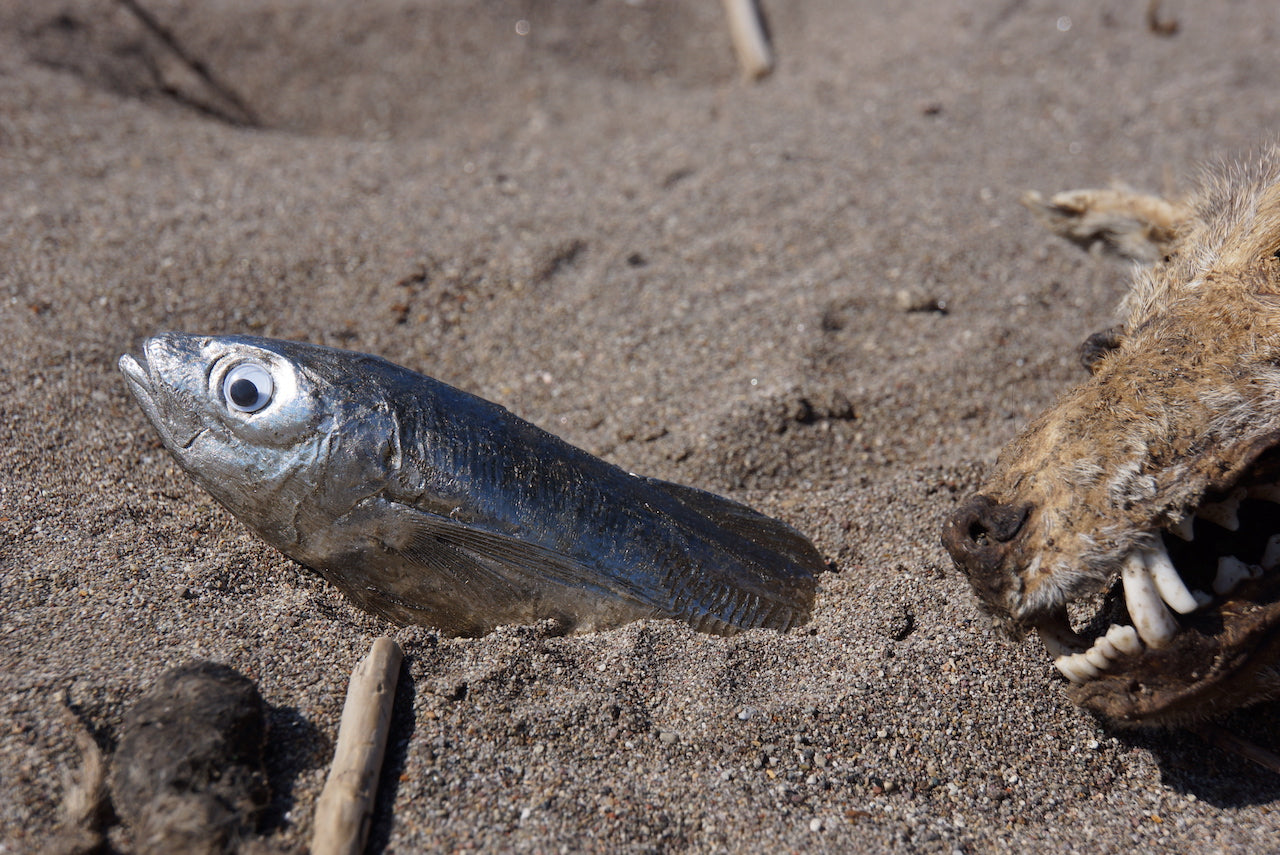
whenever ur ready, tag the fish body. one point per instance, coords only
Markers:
(428, 505)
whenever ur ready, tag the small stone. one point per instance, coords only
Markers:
(909, 300)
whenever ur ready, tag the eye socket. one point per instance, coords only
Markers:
(248, 387)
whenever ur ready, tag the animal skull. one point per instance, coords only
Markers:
(1152, 488)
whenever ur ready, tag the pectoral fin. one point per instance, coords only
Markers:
(469, 579)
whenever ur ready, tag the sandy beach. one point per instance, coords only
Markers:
(817, 294)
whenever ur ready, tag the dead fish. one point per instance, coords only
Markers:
(428, 505)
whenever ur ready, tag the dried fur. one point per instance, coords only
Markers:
(85, 805)
(187, 775)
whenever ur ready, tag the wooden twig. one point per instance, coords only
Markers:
(749, 39)
(240, 113)
(1156, 25)
(345, 807)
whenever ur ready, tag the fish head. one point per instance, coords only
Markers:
(273, 430)
(1135, 523)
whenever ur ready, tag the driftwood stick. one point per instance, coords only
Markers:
(345, 806)
(749, 40)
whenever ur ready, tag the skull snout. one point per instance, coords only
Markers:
(981, 537)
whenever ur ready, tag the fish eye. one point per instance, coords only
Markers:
(248, 387)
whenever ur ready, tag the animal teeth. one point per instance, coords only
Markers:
(1082, 667)
(1231, 572)
(1098, 658)
(1152, 585)
(1167, 581)
(1226, 513)
(1077, 668)
(1105, 648)
(1124, 639)
(1151, 618)
(1184, 528)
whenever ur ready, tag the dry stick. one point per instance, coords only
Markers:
(747, 31)
(1157, 26)
(240, 114)
(345, 807)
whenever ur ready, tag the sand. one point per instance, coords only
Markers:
(817, 294)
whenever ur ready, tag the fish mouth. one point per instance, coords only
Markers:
(171, 409)
(1189, 624)
(139, 379)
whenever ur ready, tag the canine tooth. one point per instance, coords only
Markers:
(1168, 583)
(1124, 639)
(1231, 572)
(1184, 528)
(1266, 492)
(1076, 668)
(1271, 555)
(1225, 513)
(1151, 618)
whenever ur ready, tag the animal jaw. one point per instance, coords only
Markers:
(1155, 484)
